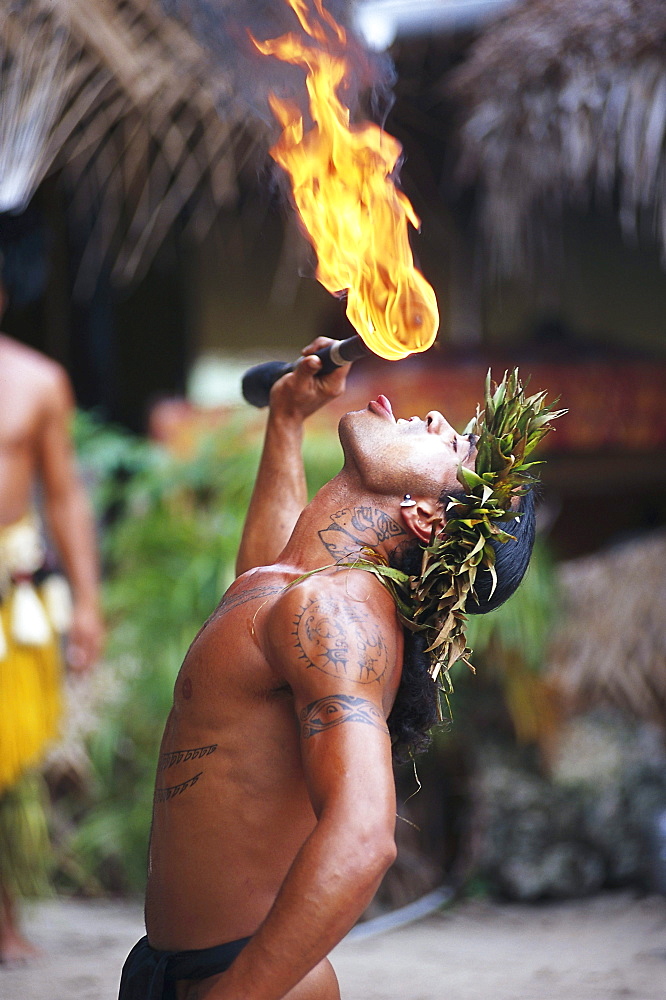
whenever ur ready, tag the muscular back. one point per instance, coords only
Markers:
(260, 711)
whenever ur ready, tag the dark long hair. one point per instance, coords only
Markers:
(415, 710)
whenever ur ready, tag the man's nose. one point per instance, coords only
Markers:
(437, 422)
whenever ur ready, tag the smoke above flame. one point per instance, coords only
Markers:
(343, 185)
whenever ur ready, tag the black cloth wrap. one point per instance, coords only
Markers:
(149, 974)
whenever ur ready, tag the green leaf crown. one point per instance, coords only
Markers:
(509, 428)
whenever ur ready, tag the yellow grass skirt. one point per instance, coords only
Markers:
(26, 858)
(30, 701)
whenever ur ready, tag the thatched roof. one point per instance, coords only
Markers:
(564, 101)
(610, 647)
(126, 105)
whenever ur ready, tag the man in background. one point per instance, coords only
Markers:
(36, 406)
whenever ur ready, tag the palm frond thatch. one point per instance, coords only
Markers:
(611, 645)
(564, 101)
(33, 71)
(139, 123)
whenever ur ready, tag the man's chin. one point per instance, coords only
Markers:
(350, 425)
(350, 417)
(344, 423)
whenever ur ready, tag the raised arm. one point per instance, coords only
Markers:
(280, 490)
(70, 521)
(342, 671)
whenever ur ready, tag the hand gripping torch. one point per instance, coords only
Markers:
(259, 380)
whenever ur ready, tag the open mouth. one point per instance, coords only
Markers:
(382, 407)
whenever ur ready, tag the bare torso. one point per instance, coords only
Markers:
(25, 380)
(231, 808)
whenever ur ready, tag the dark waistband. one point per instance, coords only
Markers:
(148, 972)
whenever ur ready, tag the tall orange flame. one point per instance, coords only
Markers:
(342, 183)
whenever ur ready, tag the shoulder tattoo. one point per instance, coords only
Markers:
(340, 642)
(231, 601)
(335, 710)
(354, 527)
(235, 600)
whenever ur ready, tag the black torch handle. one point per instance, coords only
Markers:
(259, 380)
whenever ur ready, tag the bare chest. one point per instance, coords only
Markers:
(225, 677)
(19, 419)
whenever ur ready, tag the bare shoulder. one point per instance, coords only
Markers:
(36, 374)
(341, 623)
(243, 606)
(262, 583)
(349, 591)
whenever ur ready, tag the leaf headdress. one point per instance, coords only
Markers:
(509, 428)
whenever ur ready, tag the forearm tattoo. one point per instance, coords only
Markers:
(354, 527)
(336, 709)
(342, 642)
(174, 757)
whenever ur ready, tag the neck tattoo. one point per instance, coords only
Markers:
(354, 527)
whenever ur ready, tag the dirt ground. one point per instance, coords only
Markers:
(612, 945)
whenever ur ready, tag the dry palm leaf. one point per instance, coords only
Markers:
(33, 91)
(140, 125)
(610, 647)
(561, 102)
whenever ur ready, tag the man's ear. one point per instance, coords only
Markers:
(420, 518)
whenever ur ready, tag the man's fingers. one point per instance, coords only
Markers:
(306, 368)
(335, 381)
(79, 657)
(331, 384)
(318, 344)
(311, 363)
(303, 391)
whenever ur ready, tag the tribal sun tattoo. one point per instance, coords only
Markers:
(336, 709)
(354, 527)
(342, 643)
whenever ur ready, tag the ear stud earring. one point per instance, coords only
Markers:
(408, 502)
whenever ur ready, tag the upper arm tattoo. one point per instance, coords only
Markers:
(336, 709)
(343, 643)
(354, 527)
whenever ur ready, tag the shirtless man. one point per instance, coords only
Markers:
(274, 811)
(35, 410)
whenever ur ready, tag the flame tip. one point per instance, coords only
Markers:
(344, 181)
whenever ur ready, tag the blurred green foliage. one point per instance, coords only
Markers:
(169, 536)
(507, 698)
(524, 623)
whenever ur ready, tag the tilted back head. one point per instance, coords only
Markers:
(489, 511)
